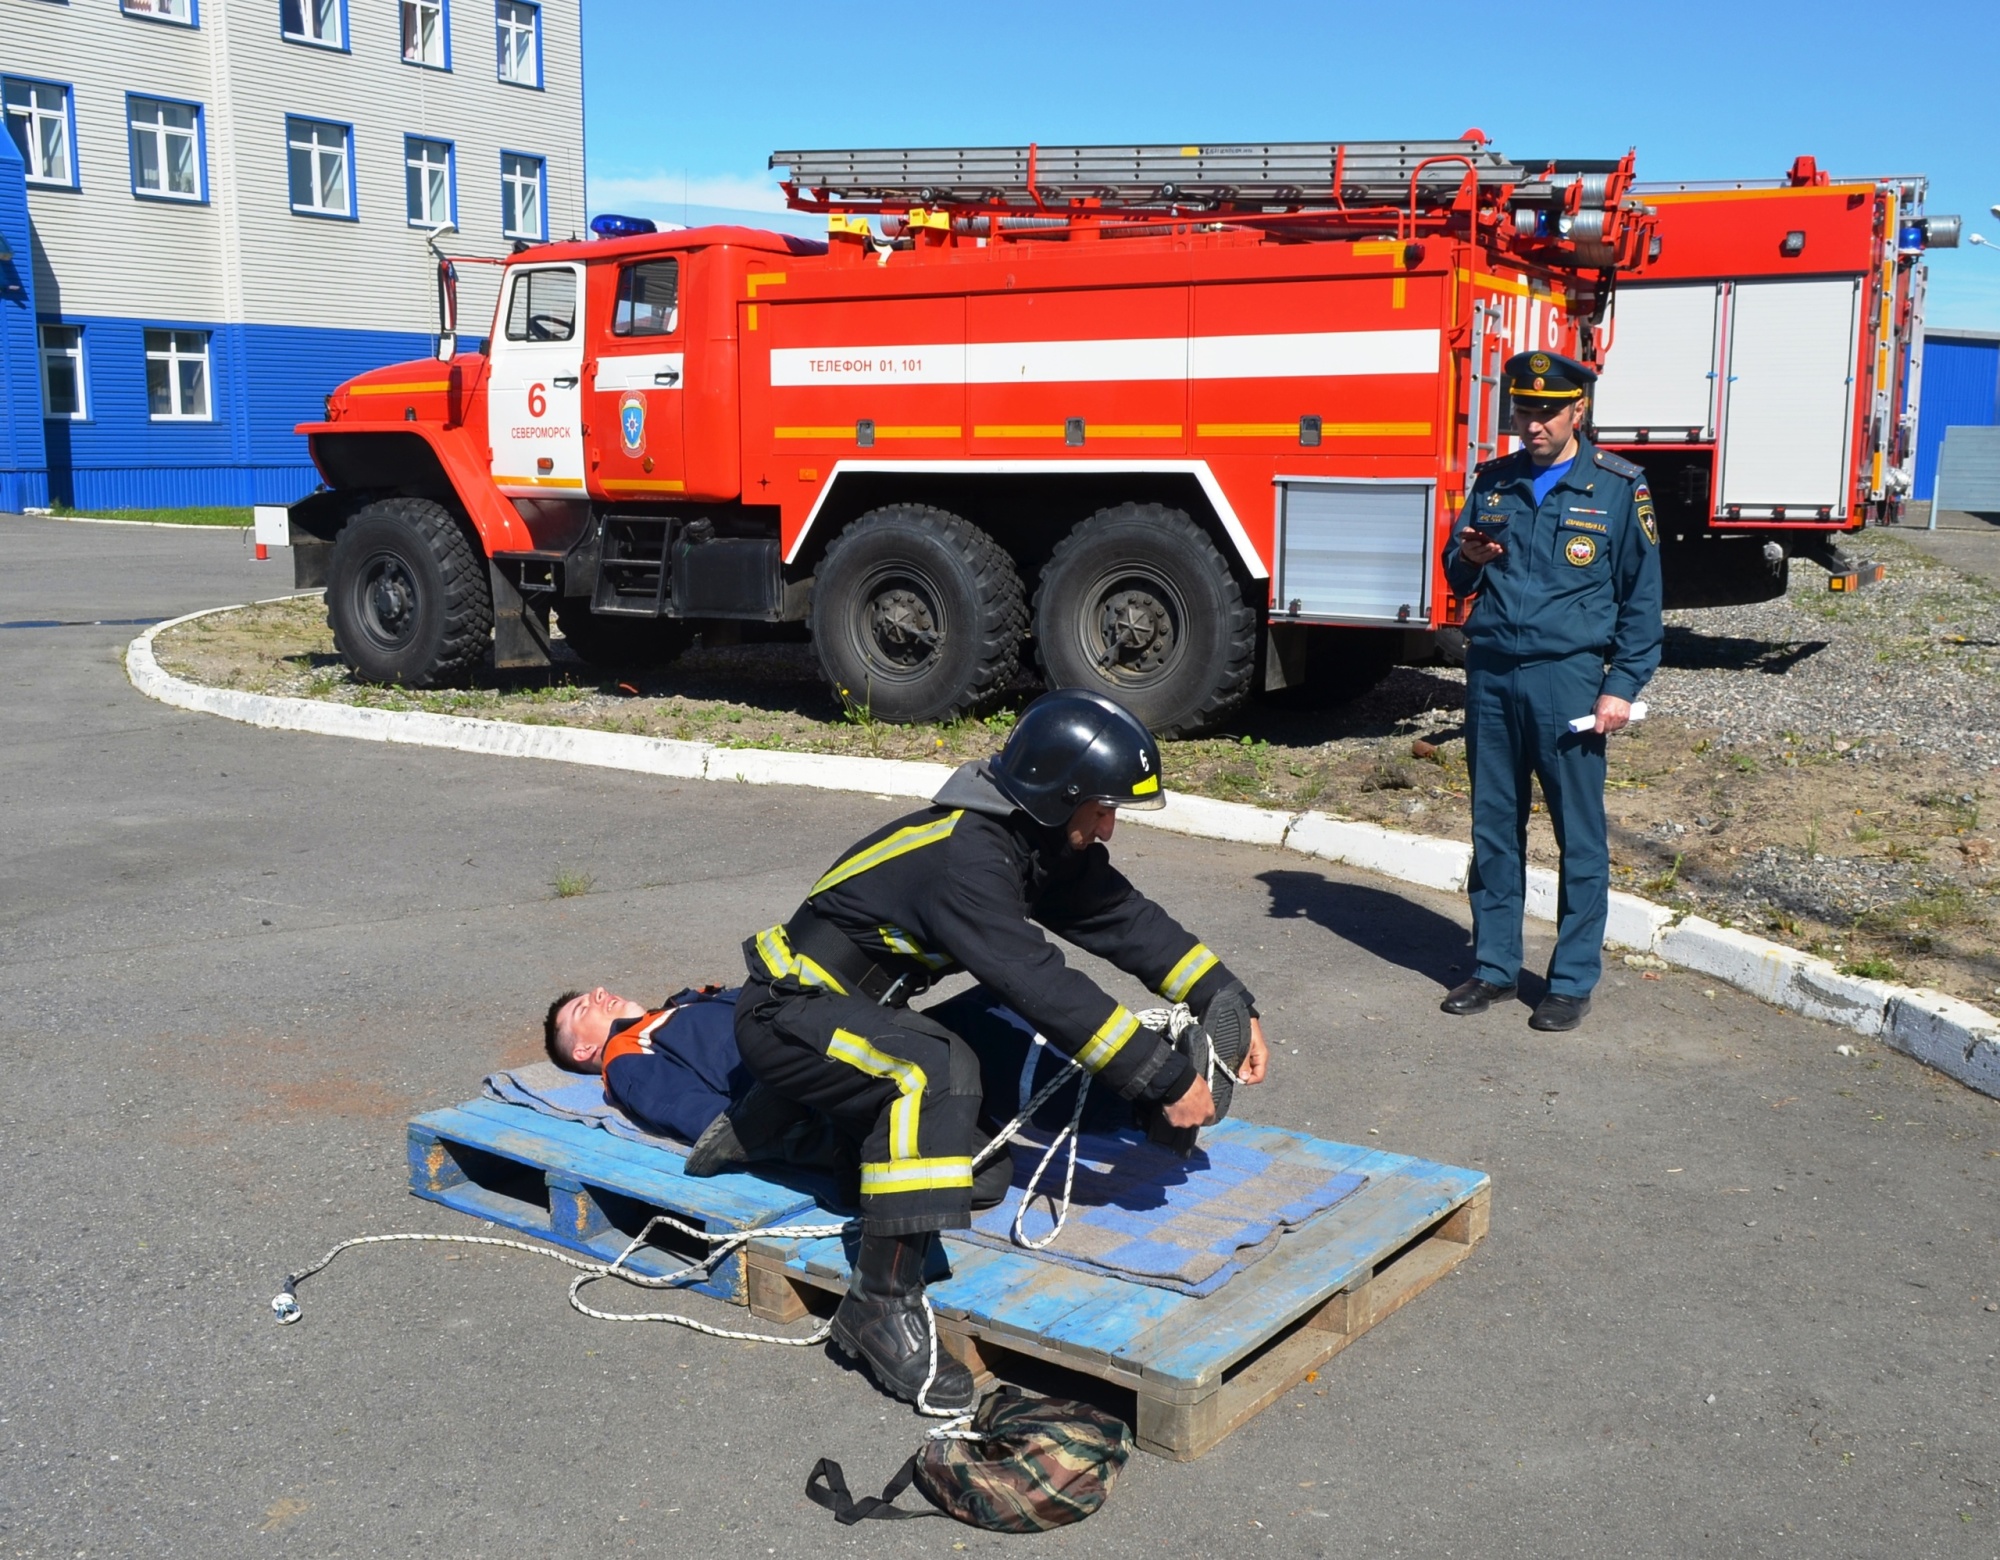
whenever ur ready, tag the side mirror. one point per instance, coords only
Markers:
(447, 346)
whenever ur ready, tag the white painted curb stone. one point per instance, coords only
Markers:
(1414, 858)
(1940, 1031)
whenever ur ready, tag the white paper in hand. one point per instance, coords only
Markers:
(1585, 722)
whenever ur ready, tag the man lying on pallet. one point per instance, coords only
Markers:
(822, 1021)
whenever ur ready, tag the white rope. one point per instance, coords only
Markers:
(1175, 1021)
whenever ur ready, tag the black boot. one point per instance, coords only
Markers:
(992, 1180)
(754, 1128)
(882, 1321)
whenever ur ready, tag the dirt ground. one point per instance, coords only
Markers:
(1868, 846)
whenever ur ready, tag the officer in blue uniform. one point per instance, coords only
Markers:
(1560, 542)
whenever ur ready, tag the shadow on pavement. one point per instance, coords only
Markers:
(1394, 929)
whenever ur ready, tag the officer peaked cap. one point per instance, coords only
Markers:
(1547, 376)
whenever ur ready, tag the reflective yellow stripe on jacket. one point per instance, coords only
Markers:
(1109, 1040)
(901, 843)
(775, 949)
(1184, 976)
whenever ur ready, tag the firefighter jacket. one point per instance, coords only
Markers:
(1581, 573)
(962, 886)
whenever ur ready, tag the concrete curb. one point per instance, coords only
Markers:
(1940, 1031)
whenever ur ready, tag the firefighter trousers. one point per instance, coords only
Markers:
(901, 1085)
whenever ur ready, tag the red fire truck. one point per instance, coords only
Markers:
(1761, 371)
(1193, 420)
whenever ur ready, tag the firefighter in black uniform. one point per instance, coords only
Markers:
(823, 1024)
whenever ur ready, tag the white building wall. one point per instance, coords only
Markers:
(245, 256)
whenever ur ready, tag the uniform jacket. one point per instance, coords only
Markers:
(968, 884)
(1581, 572)
(675, 1070)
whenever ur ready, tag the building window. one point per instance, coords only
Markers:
(521, 179)
(38, 117)
(181, 11)
(520, 26)
(319, 166)
(166, 148)
(426, 40)
(62, 371)
(177, 375)
(647, 295)
(313, 21)
(428, 167)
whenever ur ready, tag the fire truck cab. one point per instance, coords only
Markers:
(1189, 421)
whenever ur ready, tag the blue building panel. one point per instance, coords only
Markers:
(1961, 387)
(262, 381)
(24, 481)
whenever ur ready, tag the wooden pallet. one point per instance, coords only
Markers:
(580, 1187)
(1184, 1371)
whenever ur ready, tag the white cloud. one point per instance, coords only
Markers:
(728, 191)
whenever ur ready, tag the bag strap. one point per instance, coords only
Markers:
(835, 1497)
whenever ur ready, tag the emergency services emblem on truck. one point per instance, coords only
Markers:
(632, 423)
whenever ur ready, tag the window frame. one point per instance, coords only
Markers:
(168, 197)
(68, 90)
(450, 179)
(500, 57)
(352, 214)
(173, 358)
(307, 41)
(191, 20)
(444, 32)
(76, 356)
(618, 301)
(541, 196)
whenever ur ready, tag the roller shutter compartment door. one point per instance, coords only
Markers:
(1789, 415)
(1659, 374)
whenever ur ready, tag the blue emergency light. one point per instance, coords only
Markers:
(611, 225)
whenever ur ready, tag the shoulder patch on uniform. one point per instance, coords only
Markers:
(1648, 522)
(1618, 464)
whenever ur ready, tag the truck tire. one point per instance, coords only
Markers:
(407, 595)
(1137, 603)
(615, 643)
(917, 615)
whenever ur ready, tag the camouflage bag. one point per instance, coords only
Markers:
(1029, 1464)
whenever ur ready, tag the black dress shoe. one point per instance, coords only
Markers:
(1556, 1014)
(1475, 996)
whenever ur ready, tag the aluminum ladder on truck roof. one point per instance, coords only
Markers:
(1284, 175)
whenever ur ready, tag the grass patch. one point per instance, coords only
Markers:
(219, 515)
(1873, 967)
(572, 885)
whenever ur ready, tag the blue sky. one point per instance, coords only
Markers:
(683, 104)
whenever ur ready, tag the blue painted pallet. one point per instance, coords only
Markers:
(1198, 1367)
(582, 1188)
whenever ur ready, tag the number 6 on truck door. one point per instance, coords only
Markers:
(534, 395)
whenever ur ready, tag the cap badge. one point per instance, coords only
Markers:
(1539, 364)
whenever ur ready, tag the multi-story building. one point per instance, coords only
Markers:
(216, 210)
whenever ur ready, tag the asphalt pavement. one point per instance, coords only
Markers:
(1735, 1300)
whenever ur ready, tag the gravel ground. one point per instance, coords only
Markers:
(1814, 768)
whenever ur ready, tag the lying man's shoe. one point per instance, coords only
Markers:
(990, 1182)
(754, 1128)
(1555, 1014)
(1475, 996)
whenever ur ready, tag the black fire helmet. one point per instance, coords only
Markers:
(1071, 747)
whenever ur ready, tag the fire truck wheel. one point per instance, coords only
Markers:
(1137, 603)
(407, 594)
(917, 615)
(637, 644)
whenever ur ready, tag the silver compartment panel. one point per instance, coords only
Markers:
(1355, 551)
